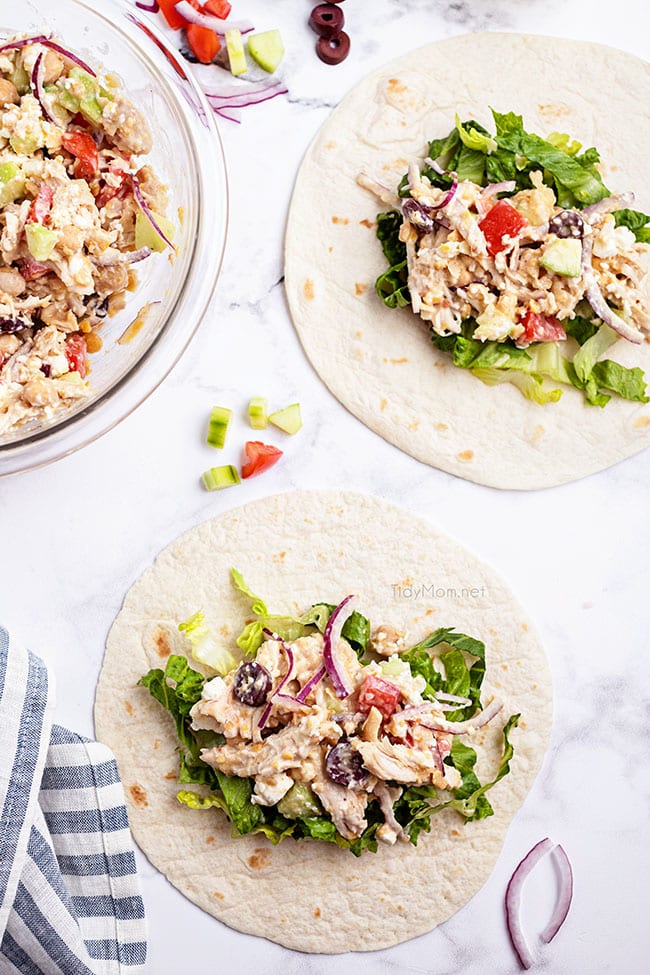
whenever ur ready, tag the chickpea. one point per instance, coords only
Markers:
(38, 392)
(11, 282)
(8, 93)
(53, 68)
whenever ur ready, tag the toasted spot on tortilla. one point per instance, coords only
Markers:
(400, 907)
(524, 627)
(439, 364)
(358, 335)
(171, 776)
(537, 433)
(504, 666)
(139, 796)
(641, 422)
(217, 895)
(441, 426)
(317, 912)
(209, 840)
(465, 455)
(259, 858)
(156, 744)
(343, 220)
(330, 145)
(454, 832)
(308, 288)
(279, 557)
(161, 641)
(128, 707)
(396, 362)
(414, 425)
(358, 354)
(224, 630)
(550, 111)
(405, 582)
(396, 86)
(430, 611)
(370, 224)
(359, 288)
(383, 404)
(329, 250)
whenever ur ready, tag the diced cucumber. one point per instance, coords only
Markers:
(563, 256)
(258, 413)
(218, 429)
(88, 90)
(236, 52)
(299, 801)
(28, 144)
(66, 99)
(12, 190)
(20, 78)
(267, 49)
(8, 170)
(288, 419)
(218, 478)
(145, 232)
(40, 240)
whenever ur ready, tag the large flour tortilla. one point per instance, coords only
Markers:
(379, 363)
(296, 549)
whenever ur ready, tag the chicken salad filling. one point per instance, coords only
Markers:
(522, 263)
(79, 207)
(331, 729)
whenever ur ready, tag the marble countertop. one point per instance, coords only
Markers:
(75, 535)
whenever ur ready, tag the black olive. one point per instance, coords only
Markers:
(344, 765)
(252, 684)
(567, 224)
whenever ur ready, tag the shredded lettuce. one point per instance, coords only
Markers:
(457, 678)
(636, 221)
(205, 649)
(475, 137)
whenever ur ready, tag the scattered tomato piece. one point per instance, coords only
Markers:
(379, 694)
(172, 15)
(31, 269)
(499, 222)
(218, 8)
(41, 205)
(540, 328)
(204, 43)
(260, 456)
(75, 352)
(84, 148)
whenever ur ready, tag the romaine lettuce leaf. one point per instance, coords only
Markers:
(356, 629)
(205, 649)
(458, 678)
(636, 221)
(388, 228)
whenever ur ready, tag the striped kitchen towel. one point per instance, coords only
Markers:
(70, 901)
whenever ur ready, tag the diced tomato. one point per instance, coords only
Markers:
(379, 694)
(204, 43)
(41, 205)
(84, 148)
(31, 269)
(172, 16)
(218, 8)
(109, 192)
(260, 456)
(76, 352)
(499, 222)
(540, 328)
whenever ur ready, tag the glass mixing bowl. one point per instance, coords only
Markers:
(188, 156)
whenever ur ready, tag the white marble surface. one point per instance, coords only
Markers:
(75, 535)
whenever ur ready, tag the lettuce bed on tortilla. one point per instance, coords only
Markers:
(470, 153)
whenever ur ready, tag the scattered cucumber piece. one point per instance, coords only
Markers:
(20, 79)
(267, 49)
(218, 428)
(12, 190)
(563, 256)
(236, 52)
(258, 413)
(8, 171)
(41, 241)
(66, 99)
(393, 668)
(145, 232)
(218, 478)
(288, 419)
(299, 801)
(88, 90)
(28, 144)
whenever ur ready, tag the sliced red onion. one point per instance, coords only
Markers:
(587, 248)
(451, 192)
(565, 896)
(437, 168)
(231, 114)
(151, 8)
(131, 257)
(331, 638)
(36, 84)
(42, 39)
(462, 727)
(594, 296)
(243, 89)
(289, 652)
(304, 693)
(246, 98)
(505, 186)
(291, 703)
(142, 203)
(217, 24)
(607, 205)
(454, 698)
(513, 900)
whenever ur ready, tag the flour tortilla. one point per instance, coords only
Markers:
(293, 550)
(380, 363)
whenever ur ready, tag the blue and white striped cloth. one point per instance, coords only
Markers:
(70, 900)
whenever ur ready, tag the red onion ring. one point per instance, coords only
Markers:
(46, 42)
(565, 897)
(289, 652)
(331, 637)
(217, 24)
(142, 203)
(462, 727)
(304, 693)
(36, 84)
(513, 900)
(607, 205)
(601, 309)
(243, 100)
(151, 8)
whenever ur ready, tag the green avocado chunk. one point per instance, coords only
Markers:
(563, 256)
